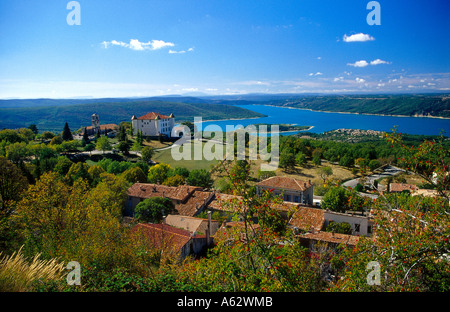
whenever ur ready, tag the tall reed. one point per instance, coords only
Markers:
(17, 273)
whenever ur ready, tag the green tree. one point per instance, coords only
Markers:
(300, 159)
(124, 147)
(33, 128)
(95, 173)
(66, 134)
(181, 171)
(158, 173)
(153, 209)
(12, 185)
(103, 144)
(47, 135)
(200, 177)
(79, 171)
(325, 172)
(63, 165)
(287, 160)
(56, 140)
(339, 227)
(175, 180)
(27, 134)
(147, 153)
(17, 152)
(134, 175)
(374, 164)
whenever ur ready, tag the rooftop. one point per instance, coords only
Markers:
(148, 190)
(335, 238)
(306, 218)
(286, 183)
(153, 115)
(399, 187)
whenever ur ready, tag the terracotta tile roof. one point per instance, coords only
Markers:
(161, 236)
(190, 224)
(153, 115)
(399, 187)
(148, 190)
(285, 206)
(306, 218)
(221, 201)
(285, 183)
(335, 238)
(104, 127)
(194, 203)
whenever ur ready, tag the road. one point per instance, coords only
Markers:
(370, 179)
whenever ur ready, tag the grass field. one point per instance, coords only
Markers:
(165, 156)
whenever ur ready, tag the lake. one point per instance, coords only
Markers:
(324, 121)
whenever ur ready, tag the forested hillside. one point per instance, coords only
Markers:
(53, 117)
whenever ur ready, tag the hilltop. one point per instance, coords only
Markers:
(49, 114)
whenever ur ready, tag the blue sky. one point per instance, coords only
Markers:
(151, 47)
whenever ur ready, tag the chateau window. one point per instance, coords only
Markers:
(357, 227)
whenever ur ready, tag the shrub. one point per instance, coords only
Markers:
(17, 274)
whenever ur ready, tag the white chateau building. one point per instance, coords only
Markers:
(153, 124)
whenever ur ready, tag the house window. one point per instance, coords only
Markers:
(287, 197)
(296, 199)
(357, 227)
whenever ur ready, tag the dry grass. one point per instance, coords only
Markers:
(17, 274)
(311, 172)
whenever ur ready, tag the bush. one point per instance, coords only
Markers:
(153, 209)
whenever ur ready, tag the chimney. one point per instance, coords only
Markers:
(208, 230)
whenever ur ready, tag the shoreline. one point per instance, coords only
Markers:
(368, 114)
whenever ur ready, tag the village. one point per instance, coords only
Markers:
(190, 230)
(128, 204)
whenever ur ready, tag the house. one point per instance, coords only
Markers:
(187, 200)
(169, 240)
(196, 226)
(308, 219)
(292, 190)
(227, 205)
(313, 219)
(153, 124)
(400, 187)
(311, 239)
(107, 129)
(361, 223)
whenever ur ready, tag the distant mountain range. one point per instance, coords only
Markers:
(51, 114)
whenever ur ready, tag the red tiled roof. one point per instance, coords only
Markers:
(163, 236)
(107, 126)
(306, 218)
(285, 183)
(335, 238)
(194, 203)
(222, 202)
(399, 187)
(153, 115)
(148, 190)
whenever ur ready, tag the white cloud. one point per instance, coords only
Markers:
(181, 51)
(358, 38)
(338, 79)
(378, 62)
(316, 74)
(190, 89)
(359, 80)
(176, 52)
(361, 63)
(136, 45)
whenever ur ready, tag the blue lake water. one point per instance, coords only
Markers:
(323, 121)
